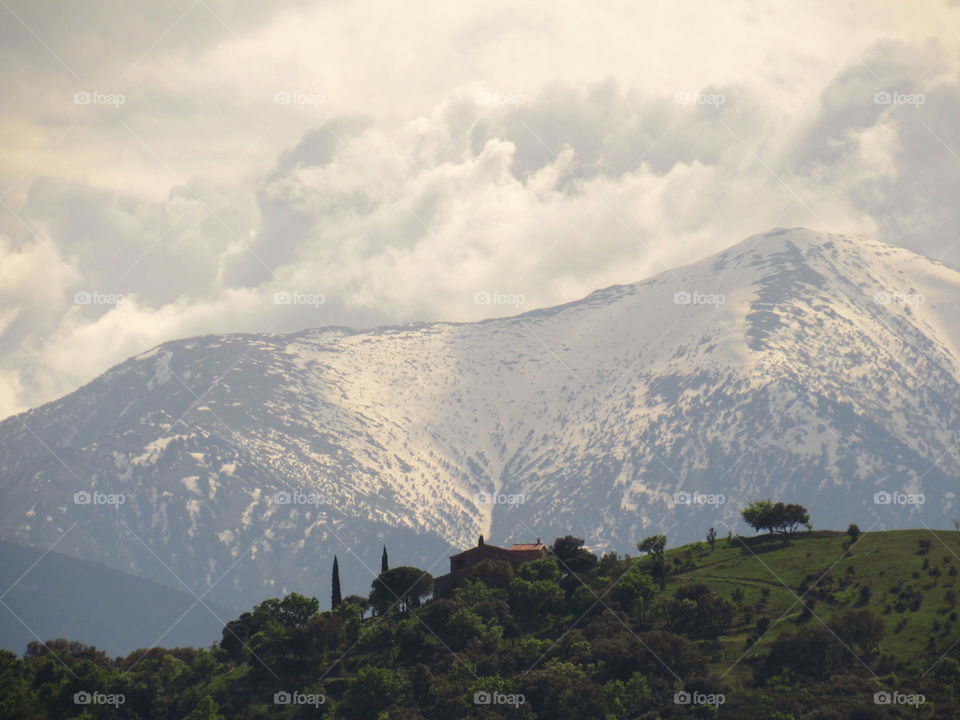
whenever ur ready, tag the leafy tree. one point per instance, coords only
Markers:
(811, 651)
(775, 518)
(535, 598)
(759, 515)
(626, 697)
(562, 690)
(545, 568)
(335, 596)
(711, 538)
(654, 546)
(790, 518)
(697, 610)
(566, 547)
(324, 632)
(853, 531)
(206, 709)
(359, 600)
(632, 593)
(18, 701)
(293, 611)
(536, 589)
(493, 573)
(236, 634)
(860, 628)
(402, 585)
(374, 689)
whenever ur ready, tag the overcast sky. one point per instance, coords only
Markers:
(195, 159)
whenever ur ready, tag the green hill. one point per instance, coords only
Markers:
(820, 627)
(912, 588)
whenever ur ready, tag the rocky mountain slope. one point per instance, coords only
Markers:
(817, 368)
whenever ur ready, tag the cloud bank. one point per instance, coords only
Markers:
(208, 167)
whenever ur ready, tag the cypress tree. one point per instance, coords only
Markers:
(335, 597)
(384, 564)
(480, 541)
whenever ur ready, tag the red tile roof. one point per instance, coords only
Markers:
(526, 546)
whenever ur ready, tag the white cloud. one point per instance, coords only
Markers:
(445, 151)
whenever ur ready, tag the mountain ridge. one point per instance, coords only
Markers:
(794, 363)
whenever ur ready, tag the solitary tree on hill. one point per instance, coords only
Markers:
(775, 518)
(335, 596)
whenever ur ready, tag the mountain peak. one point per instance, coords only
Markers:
(795, 364)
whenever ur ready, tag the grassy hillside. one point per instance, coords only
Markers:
(913, 588)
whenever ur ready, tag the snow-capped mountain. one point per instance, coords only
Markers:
(814, 368)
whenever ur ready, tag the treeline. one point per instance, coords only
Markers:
(572, 636)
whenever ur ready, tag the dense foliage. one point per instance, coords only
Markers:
(804, 628)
